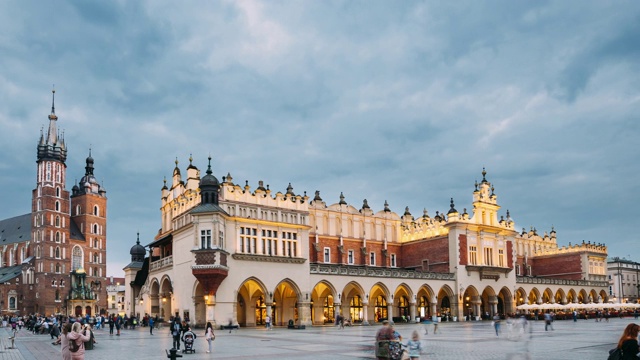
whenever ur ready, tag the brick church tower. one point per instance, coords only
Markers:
(69, 233)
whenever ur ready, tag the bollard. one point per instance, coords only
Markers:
(173, 354)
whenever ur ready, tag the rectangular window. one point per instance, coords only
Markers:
(221, 239)
(393, 260)
(488, 256)
(248, 242)
(205, 239)
(327, 255)
(372, 259)
(350, 257)
(501, 257)
(473, 255)
(517, 270)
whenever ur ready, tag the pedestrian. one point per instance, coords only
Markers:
(77, 337)
(547, 321)
(628, 342)
(64, 342)
(267, 322)
(112, 324)
(383, 335)
(151, 325)
(176, 329)
(210, 336)
(118, 325)
(575, 316)
(414, 345)
(496, 323)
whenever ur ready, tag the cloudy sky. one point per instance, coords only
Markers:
(401, 101)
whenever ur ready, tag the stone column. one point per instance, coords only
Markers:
(412, 312)
(304, 314)
(365, 313)
(268, 307)
(211, 310)
(390, 312)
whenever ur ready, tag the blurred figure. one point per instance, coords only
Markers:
(628, 342)
(414, 345)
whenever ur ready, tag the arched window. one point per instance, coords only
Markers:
(78, 210)
(57, 191)
(57, 236)
(58, 268)
(38, 252)
(95, 228)
(12, 303)
(76, 258)
(57, 295)
(57, 221)
(96, 211)
(96, 258)
(57, 205)
(95, 271)
(57, 252)
(22, 254)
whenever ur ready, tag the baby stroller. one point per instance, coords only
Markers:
(188, 339)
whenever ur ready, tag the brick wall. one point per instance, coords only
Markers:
(565, 266)
(434, 251)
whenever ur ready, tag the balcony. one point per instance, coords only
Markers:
(165, 262)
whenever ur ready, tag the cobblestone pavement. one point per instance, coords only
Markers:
(584, 340)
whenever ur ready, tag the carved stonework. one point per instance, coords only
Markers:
(267, 258)
(351, 270)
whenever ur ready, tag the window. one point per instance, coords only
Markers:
(517, 270)
(95, 228)
(96, 211)
(12, 303)
(350, 257)
(488, 256)
(76, 258)
(529, 270)
(221, 239)
(473, 255)
(57, 252)
(57, 237)
(372, 259)
(57, 221)
(289, 244)
(57, 205)
(501, 257)
(58, 268)
(269, 242)
(57, 191)
(205, 239)
(327, 255)
(248, 239)
(393, 260)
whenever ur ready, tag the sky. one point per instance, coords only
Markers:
(403, 101)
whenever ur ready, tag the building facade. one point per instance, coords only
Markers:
(115, 296)
(624, 276)
(53, 259)
(227, 253)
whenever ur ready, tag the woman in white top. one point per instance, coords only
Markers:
(210, 336)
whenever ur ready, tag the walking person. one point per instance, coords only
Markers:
(547, 321)
(628, 342)
(151, 322)
(414, 345)
(112, 324)
(267, 322)
(210, 336)
(176, 330)
(118, 325)
(77, 338)
(64, 342)
(496, 323)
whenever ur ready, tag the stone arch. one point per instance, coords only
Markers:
(379, 301)
(426, 302)
(604, 296)
(547, 296)
(533, 296)
(199, 318)
(251, 299)
(572, 296)
(488, 303)
(505, 301)
(560, 297)
(593, 296)
(353, 302)
(285, 302)
(583, 296)
(446, 302)
(521, 296)
(402, 299)
(154, 297)
(166, 296)
(324, 300)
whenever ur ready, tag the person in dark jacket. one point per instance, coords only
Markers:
(629, 342)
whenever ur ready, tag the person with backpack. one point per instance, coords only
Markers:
(77, 337)
(151, 323)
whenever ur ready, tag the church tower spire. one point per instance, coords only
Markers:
(52, 147)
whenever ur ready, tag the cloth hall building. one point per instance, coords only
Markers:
(53, 259)
(229, 253)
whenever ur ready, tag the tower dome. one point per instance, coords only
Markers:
(137, 251)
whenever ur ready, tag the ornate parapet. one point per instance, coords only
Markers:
(366, 271)
(268, 258)
(162, 263)
(550, 281)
